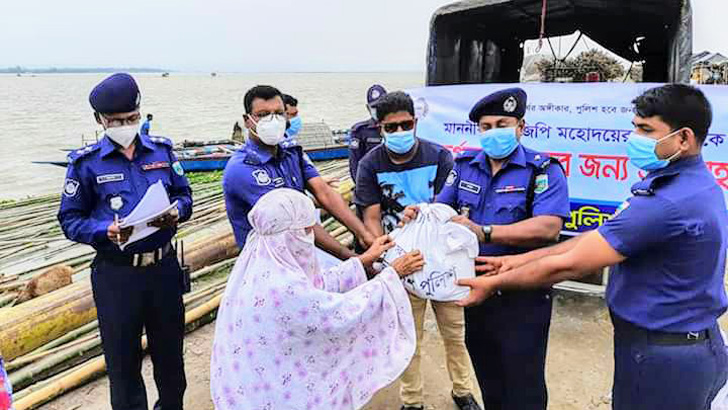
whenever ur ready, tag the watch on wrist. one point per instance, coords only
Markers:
(487, 231)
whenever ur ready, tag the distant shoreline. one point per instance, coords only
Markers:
(69, 70)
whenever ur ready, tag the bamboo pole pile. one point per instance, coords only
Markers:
(51, 343)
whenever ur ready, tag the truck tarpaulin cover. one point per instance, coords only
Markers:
(479, 41)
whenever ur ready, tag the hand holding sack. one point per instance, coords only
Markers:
(449, 249)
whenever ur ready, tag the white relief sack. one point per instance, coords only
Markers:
(449, 250)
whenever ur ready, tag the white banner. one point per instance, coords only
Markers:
(585, 126)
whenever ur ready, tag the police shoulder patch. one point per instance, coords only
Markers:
(451, 178)
(541, 183)
(177, 167)
(70, 187)
(261, 177)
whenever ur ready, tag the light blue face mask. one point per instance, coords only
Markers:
(400, 142)
(499, 143)
(295, 126)
(641, 152)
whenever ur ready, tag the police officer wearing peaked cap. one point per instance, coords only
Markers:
(141, 286)
(667, 244)
(514, 199)
(365, 135)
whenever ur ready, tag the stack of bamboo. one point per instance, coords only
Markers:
(51, 344)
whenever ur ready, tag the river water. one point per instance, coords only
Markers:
(42, 115)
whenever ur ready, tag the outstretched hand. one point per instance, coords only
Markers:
(481, 288)
(495, 265)
(409, 214)
(466, 222)
(409, 263)
(376, 250)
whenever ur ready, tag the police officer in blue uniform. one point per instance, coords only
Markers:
(514, 199)
(668, 242)
(365, 135)
(140, 287)
(264, 164)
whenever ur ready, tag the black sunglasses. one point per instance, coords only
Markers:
(391, 127)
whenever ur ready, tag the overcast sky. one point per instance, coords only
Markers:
(246, 35)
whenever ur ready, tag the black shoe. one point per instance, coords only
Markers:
(412, 407)
(466, 402)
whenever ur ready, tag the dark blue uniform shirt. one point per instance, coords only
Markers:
(363, 137)
(673, 233)
(102, 182)
(501, 200)
(252, 172)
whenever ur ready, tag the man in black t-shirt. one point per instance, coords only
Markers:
(406, 170)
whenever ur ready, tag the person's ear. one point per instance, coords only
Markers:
(248, 121)
(97, 117)
(687, 138)
(520, 127)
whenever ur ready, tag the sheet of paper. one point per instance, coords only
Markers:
(154, 204)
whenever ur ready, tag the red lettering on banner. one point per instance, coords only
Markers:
(720, 172)
(458, 149)
(615, 166)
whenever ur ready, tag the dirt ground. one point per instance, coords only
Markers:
(579, 368)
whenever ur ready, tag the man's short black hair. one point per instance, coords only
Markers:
(149, 117)
(678, 105)
(394, 102)
(290, 100)
(264, 92)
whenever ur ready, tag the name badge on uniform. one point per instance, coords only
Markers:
(102, 179)
(278, 182)
(510, 188)
(155, 165)
(469, 186)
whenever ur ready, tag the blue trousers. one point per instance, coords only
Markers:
(507, 337)
(649, 376)
(129, 299)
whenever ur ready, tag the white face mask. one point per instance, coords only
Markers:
(123, 135)
(271, 131)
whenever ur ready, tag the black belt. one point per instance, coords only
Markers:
(138, 260)
(656, 337)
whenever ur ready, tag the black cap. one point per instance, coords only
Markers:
(510, 102)
(374, 93)
(117, 93)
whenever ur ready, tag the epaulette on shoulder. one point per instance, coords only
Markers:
(77, 154)
(162, 141)
(649, 185)
(466, 155)
(251, 158)
(537, 159)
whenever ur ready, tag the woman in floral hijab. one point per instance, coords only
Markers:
(289, 336)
